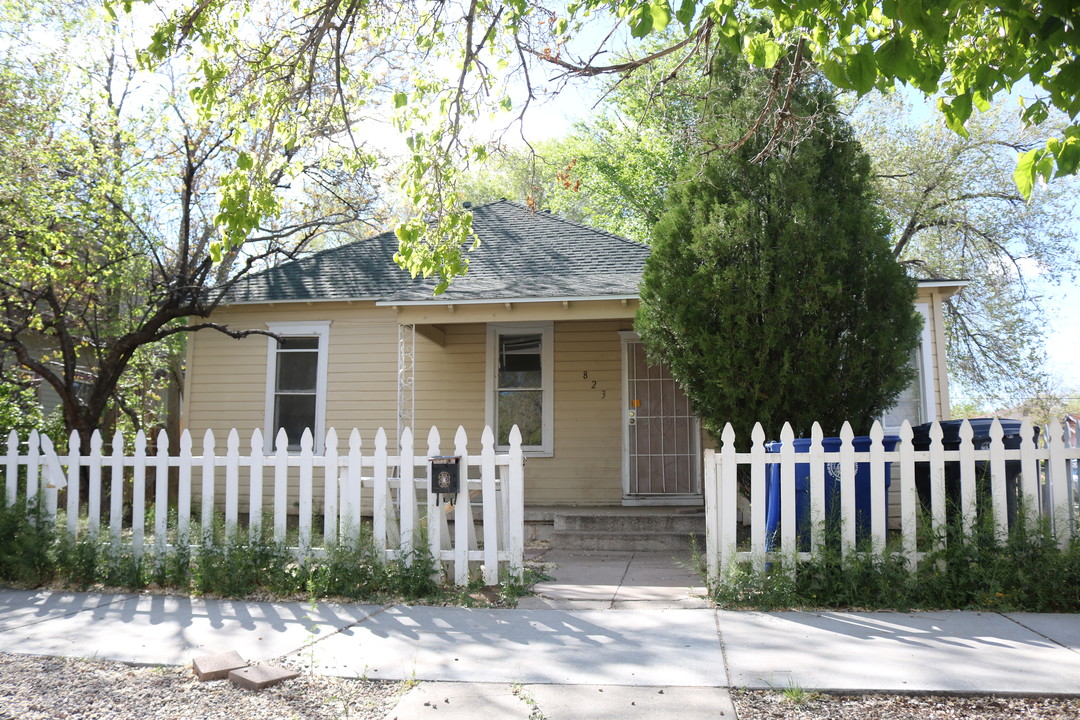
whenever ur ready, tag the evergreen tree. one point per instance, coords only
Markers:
(771, 292)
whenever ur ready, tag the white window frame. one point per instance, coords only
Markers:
(316, 329)
(925, 367)
(546, 330)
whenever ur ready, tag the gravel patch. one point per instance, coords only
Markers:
(46, 688)
(806, 705)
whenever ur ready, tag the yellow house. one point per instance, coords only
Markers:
(539, 333)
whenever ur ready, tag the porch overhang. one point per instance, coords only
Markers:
(433, 313)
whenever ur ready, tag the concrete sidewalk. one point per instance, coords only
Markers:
(651, 657)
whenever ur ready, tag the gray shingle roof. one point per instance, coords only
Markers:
(523, 255)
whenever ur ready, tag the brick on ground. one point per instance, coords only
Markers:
(257, 677)
(216, 667)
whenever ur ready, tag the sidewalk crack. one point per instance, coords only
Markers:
(72, 613)
(1044, 636)
(315, 640)
(622, 579)
(723, 649)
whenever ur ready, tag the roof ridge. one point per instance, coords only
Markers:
(567, 221)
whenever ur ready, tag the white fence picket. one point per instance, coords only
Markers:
(434, 508)
(464, 533)
(978, 482)
(74, 487)
(352, 491)
(232, 482)
(380, 494)
(93, 515)
(116, 491)
(161, 495)
(206, 513)
(491, 509)
(255, 486)
(307, 475)
(183, 489)
(330, 487)
(281, 484)
(406, 495)
(138, 495)
(11, 468)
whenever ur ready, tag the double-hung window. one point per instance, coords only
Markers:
(296, 382)
(520, 360)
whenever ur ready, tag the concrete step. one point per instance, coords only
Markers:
(624, 541)
(628, 532)
(613, 522)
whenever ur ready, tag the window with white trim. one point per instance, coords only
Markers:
(520, 373)
(296, 382)
(916, 403)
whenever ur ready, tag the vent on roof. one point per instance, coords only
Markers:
(466, 204)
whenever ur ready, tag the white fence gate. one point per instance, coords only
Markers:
(400, 497)
(1047, 485)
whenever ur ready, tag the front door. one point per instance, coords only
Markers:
(661, 436)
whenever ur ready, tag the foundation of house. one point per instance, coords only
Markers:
(616, 528)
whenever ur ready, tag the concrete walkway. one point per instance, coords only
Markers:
(648, 658)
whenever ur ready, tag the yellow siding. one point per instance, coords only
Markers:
(226, 383)
(226, 386)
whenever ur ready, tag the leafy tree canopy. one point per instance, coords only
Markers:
(771, 292)
(457, 62)
(110, 181)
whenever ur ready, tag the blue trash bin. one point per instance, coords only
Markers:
(832, 490)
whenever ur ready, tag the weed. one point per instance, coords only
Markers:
(526, 697)
(794, 693)
(1027, 571)
(25, 539)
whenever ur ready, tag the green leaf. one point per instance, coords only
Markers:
(1024, 175)
(641, 21)
(400, 99)
(763, 51)
(894, 57)
(685, 13)
(661, 15)
(862, 70)
(244, 161)
(835, 73)
(1067, 155)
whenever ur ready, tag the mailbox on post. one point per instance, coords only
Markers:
(445, 475)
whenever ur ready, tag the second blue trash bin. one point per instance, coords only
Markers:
(832, 490)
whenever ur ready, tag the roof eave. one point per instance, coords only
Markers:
(502, 300)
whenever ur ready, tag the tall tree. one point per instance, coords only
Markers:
(954, 209)
(478, 56)
(110, 182)
(956, 213)
(771, 292)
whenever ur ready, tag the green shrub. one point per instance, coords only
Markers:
(26, 537)
(1027, 572)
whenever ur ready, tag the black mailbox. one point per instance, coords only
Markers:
(444, 475)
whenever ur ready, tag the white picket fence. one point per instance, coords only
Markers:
(1046, 485)
(400, 497)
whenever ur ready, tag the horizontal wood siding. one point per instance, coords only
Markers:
(586, 468)
(226, 378)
